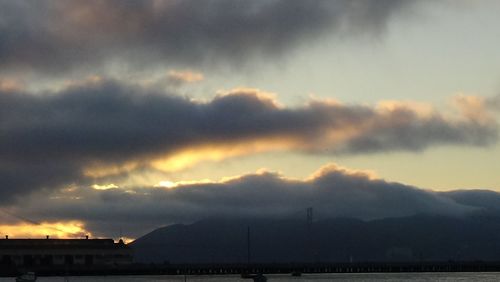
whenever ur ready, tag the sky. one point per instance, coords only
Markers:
(118, 117)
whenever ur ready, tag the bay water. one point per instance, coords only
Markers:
(359, 277)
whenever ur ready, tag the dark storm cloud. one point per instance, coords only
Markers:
(53, 35)
(333, 192)
(49, 140)
(20, 178)
(416, 134)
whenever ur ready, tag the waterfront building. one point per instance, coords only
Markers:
(47, 252)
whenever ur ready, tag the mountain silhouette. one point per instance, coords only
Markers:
(415, 238)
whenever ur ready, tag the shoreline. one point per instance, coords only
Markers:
(239, 269)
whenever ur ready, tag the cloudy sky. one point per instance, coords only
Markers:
(117, 117)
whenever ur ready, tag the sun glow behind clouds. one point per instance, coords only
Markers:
(63, 229)
(187, 158)
(104, 187)
(101, 170)
(171, 184)
(185, 76)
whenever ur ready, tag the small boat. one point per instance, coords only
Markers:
(26, 277)
(296, 273)
(256, 277)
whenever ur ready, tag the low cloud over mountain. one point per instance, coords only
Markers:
(332, 191)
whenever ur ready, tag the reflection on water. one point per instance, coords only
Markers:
(360, 277)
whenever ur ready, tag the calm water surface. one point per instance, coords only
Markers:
(490, 276)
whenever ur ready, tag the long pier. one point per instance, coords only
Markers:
(278, 268)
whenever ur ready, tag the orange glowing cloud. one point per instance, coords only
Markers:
(184, 76)
(421, 109)
(11, 84)
(189, 157)
(100, 169)
(263, 97)
(334, 168)
(472, 107)
(171, 184)
(330, 126)
(152, 133)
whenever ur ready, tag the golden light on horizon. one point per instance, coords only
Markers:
(60, 229)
